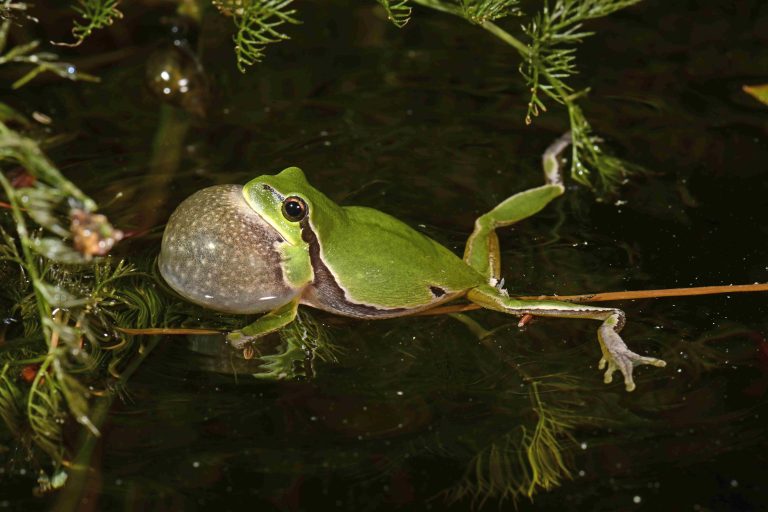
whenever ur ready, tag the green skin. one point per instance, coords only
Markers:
(360, 262)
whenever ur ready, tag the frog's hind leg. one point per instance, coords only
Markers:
(482, 250)
(482, 254)
(616, 354)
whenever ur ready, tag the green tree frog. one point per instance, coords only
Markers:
(279, 242)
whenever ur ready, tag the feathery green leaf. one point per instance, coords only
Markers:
(96, 14)
(551, 58)
(256, 24)
(398, 11)
(480, 11)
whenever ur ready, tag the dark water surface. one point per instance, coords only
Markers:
(427, 124)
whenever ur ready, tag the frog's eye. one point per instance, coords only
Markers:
(294, 208)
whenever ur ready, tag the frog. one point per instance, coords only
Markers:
(278, 242)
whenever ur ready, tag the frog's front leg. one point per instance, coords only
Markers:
(482, 249)
(616, 354)
(270, 322)
(274, 366)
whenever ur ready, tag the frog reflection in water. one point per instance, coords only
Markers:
(278, 242)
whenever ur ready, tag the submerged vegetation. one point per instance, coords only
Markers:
(94, 15)
(60, 304)
(547, 45)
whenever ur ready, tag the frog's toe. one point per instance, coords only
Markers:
(238, 340)
(611, 364)
(617, 356)
(625, 361)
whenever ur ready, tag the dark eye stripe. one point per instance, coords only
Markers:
(274, 192)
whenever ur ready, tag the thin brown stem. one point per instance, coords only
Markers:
(590, 297)
(164, 331)
(611, 296)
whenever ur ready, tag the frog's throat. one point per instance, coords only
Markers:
(326, 287)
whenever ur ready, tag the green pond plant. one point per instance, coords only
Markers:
(546, 41)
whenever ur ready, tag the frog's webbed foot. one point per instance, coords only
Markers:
(617, 356)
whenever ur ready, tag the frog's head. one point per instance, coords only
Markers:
(286, 201)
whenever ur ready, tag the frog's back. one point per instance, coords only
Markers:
(378, 266)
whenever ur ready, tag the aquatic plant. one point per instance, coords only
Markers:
(61, 299)
(548, 56)
(28, 54)
(256, 25)
(522, 461)
(56, 293)
(546, 42)
(94, 15)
